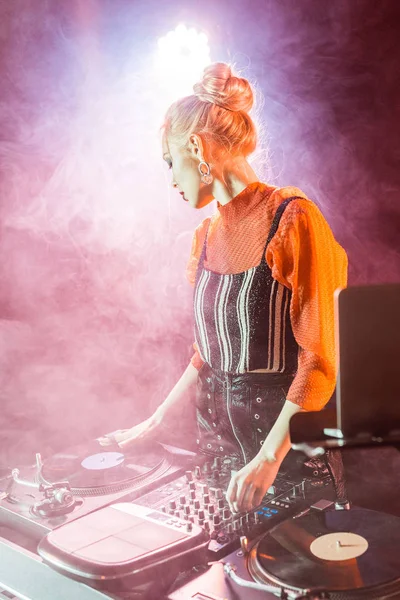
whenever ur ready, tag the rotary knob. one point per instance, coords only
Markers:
(226, 514)
(204, 488)
(196, 504)
(197, 472)
(206, 499)
(182, 500)
(189, 526)
(192, 494)
(216, 520)
(192, 485)
(236, 525)
(211, 509)
(186, 509)
(189, 476)
(172, 505)
(219, 493)
(221, 503)
(201, 514)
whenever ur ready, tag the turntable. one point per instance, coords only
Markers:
(39, 498)
(322, 553)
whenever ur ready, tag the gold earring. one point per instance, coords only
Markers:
(206, 176)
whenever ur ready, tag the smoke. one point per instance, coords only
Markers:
(95, 309)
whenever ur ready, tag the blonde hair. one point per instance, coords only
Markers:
(217, 111)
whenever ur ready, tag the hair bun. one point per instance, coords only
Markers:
(219, 86)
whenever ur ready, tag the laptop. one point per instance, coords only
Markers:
(367, 330)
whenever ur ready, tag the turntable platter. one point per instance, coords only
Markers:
(331, 551)
(90, 468)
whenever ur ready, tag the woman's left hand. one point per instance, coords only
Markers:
(249, 485)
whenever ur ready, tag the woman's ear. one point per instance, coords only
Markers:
(196, 146)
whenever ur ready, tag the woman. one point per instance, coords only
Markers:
(264, 269)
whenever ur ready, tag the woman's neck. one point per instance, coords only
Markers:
(235, 175)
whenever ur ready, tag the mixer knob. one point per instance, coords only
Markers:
(206, 499)
(192, 494)
(201, 514)
(221, 503)
(178, 514)
(243, 522)
(163, 509)
(189, 476)
(192, 485)
(219, 493)
(186, 509)
(197, 472)
(215, 475)
(206, 525)
(229, 528)
(189, 526)
(172, 504)
(196, 504)
(211, 509)
(226, 514)
(204, 488)
(256, 518)
(236, 525)
(182, 500)
(216, 520)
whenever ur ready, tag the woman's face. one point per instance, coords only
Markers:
(186, 178)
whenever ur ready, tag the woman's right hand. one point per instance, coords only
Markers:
(125, 438)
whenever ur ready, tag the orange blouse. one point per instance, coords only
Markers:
(303, 256)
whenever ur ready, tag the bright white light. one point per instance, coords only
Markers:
(182, 56)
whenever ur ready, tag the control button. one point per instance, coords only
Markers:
(221, 503)
(201, 514)
(206, 526)
(217, 463)
(182, 500)
(197, 472)
(272, 501)
(215, 475)
(211, 509)
(186, 509)
(274, 511)
(200, 522)
(196, 504)
(286, 505)
(218, 493)
(192, 494)
(189, 527)
(189, 476)
(206, 499)
(256, 518)
(178, 514)
(172, 504)
(192, 485)
(204, 488)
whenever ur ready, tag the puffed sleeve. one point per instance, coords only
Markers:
(305, 257)
(191, 269)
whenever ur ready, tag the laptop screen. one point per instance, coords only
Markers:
(368, 354)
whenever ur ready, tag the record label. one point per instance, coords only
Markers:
(340, 545)
(102, 460)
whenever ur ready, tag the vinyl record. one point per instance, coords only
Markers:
(91, 466)
(333, 550)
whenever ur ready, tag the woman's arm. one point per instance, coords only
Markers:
(249, 485)
(173, 403)
(179, 394)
